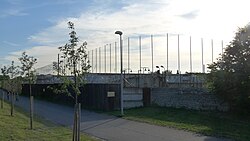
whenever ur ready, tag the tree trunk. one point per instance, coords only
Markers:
(12, 104)
(31, 102)
(31, 112)
(75, 82)
(2, 100)
(75, 124)
(79, 121)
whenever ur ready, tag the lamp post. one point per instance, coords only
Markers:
(163, 68)
(164, 74)
(139, 72)
(158, 68)
(121, 76)
(158, 72)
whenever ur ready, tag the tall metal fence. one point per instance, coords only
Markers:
(149, 53)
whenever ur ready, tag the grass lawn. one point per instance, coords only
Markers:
(17, 128)
(206, 123)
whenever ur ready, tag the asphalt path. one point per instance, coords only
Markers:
(108, 127)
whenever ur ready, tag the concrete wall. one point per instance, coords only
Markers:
(166, 90)
(162, 80)
(91, 78)
(133, 80)
(189, 99)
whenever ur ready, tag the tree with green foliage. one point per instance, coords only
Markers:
(230, 75)
(76, 61)
(28, 71)
(13, 73)
(3, 78)
(12, 84)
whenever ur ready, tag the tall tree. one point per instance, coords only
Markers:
(230, 75)
(28, 71)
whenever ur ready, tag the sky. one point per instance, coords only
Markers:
(40, 27)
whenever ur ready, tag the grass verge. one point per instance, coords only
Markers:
(17, 128)
(202, 122)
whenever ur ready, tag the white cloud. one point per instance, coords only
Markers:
(214, 19)
(10, 43)
(13, 12)
(190, 15)
(45, 55)
(51, 36)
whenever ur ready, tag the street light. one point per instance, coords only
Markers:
(121, 76)
(139, 72)
(164, 73)
(158, 68)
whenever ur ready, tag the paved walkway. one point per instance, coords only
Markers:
(109, 127)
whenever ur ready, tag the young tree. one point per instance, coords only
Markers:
(75, 60)
(13, 73)
(230, 75)
(27, 70)
(13, 84)
(3, 78)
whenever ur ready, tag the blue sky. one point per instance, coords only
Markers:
(22, 18)
(40, 26)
